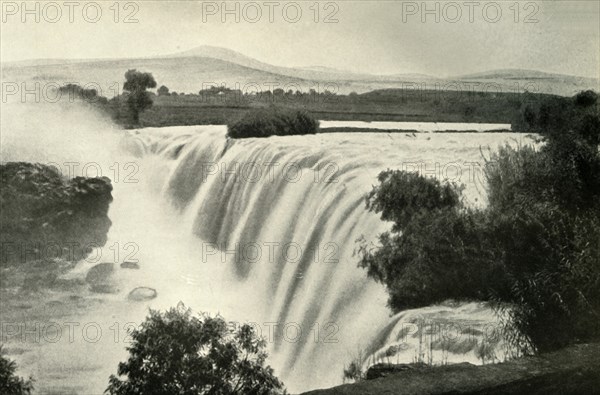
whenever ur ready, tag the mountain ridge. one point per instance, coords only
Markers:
(231, 67)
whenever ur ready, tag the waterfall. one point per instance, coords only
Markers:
(278, 219)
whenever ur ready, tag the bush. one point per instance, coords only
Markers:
(273, 122)
(436, 249)
(10, 383)
(534, 251)
(401, 195)
(178, 353)
(75, 91)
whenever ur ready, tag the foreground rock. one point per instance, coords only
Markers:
(46, 216)
(100, 273)
(99, 277)
(142, 293)
(573, 370)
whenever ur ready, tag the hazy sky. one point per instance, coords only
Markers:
(382, 37)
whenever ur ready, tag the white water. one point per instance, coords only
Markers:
(420, 126)
(226, 196)
(199, 216)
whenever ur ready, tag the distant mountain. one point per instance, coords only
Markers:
(184, 75)
(515, 74)
(533, 81)
(191, 70)
(307, 73)
(225, 54)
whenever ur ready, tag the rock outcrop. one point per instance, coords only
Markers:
(44, 216)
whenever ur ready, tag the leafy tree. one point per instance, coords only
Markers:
(163, 91)
(10, 383)
(178, 353)
(138, 99)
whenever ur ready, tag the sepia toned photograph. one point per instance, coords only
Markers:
(299, 197)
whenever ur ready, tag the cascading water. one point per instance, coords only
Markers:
(258, 230)
(281, 215)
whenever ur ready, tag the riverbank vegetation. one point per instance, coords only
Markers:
(533, 252)
(10, 382)
(273, 122)
(138, 106)
(177, 352)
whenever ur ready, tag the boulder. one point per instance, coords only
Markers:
(75, 213)
(142, 293)
(130, 265)
(100, 274)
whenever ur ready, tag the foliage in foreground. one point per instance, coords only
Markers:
(10, 383)
(534, 251)
(273, 122)
(178, 353)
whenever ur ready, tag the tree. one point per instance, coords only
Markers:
(136, 83)
(163, 91)
(178, 353)
(10, 383)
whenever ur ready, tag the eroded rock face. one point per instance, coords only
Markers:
(44, 216)
(142, 293)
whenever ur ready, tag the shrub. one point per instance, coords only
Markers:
(178, 353)
(400, 195)
(436, 249)
(163, 91)
(273, 122)
(10, 383)
(75, 91)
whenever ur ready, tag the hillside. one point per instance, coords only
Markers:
(190, 70)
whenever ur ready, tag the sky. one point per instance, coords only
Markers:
(378, 37)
